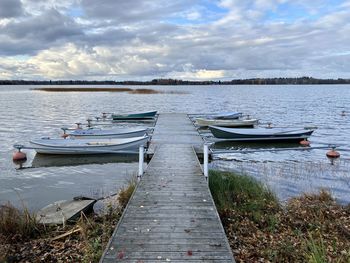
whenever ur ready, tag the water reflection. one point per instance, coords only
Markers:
(254, 145)
(44, 160)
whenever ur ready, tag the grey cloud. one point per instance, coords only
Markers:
(35, 33)
(10, 8)
(136, 11)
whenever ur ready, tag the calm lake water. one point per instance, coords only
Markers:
(28, 114)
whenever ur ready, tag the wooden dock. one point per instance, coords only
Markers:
(171, 216)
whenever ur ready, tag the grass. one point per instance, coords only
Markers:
(22, 239)
(309, 228)
(316, 252)
(242, 193)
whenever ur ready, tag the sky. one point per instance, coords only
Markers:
(180, 39)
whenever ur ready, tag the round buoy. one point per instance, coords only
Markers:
(305, 142)
(333, 154)
(19, 156)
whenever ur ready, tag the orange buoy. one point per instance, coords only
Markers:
(305, 142)
(333, 153)
(19, 156)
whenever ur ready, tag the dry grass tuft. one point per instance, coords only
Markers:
(125, 193)
(17, 224)
(81, 242)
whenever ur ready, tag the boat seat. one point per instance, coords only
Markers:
(100, 143)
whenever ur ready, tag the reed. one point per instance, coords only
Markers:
(145, 91)
(56, 89)
(129, 90)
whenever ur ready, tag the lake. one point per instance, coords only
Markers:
(27, 114)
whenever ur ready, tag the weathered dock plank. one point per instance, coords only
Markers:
(171, 216)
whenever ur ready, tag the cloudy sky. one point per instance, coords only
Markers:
(187, 39)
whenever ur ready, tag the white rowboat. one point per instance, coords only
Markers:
(87, 146)
(227, 115)
(101, 134)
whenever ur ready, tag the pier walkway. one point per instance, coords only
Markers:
(171, 216)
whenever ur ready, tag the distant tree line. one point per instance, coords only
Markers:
(253, 81)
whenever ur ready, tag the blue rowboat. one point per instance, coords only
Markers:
(135, 116)
(260, 134)
(202, 122)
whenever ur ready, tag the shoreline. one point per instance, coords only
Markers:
(261, 229)
(258, 227)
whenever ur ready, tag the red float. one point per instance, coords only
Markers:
(19, 156)
(305, 142)
(333, 154)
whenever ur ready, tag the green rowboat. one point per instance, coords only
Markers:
(135, 116)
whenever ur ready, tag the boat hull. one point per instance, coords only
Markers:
(235, 135)
(100, 146)
(135, 116)
(106, 134)
(226, 123)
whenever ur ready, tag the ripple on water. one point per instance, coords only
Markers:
(27, 115)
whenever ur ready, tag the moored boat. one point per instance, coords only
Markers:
(260, 134)
(100, 133)
(227, 115)
(87, 146)
(226, 123)
(135, 116)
